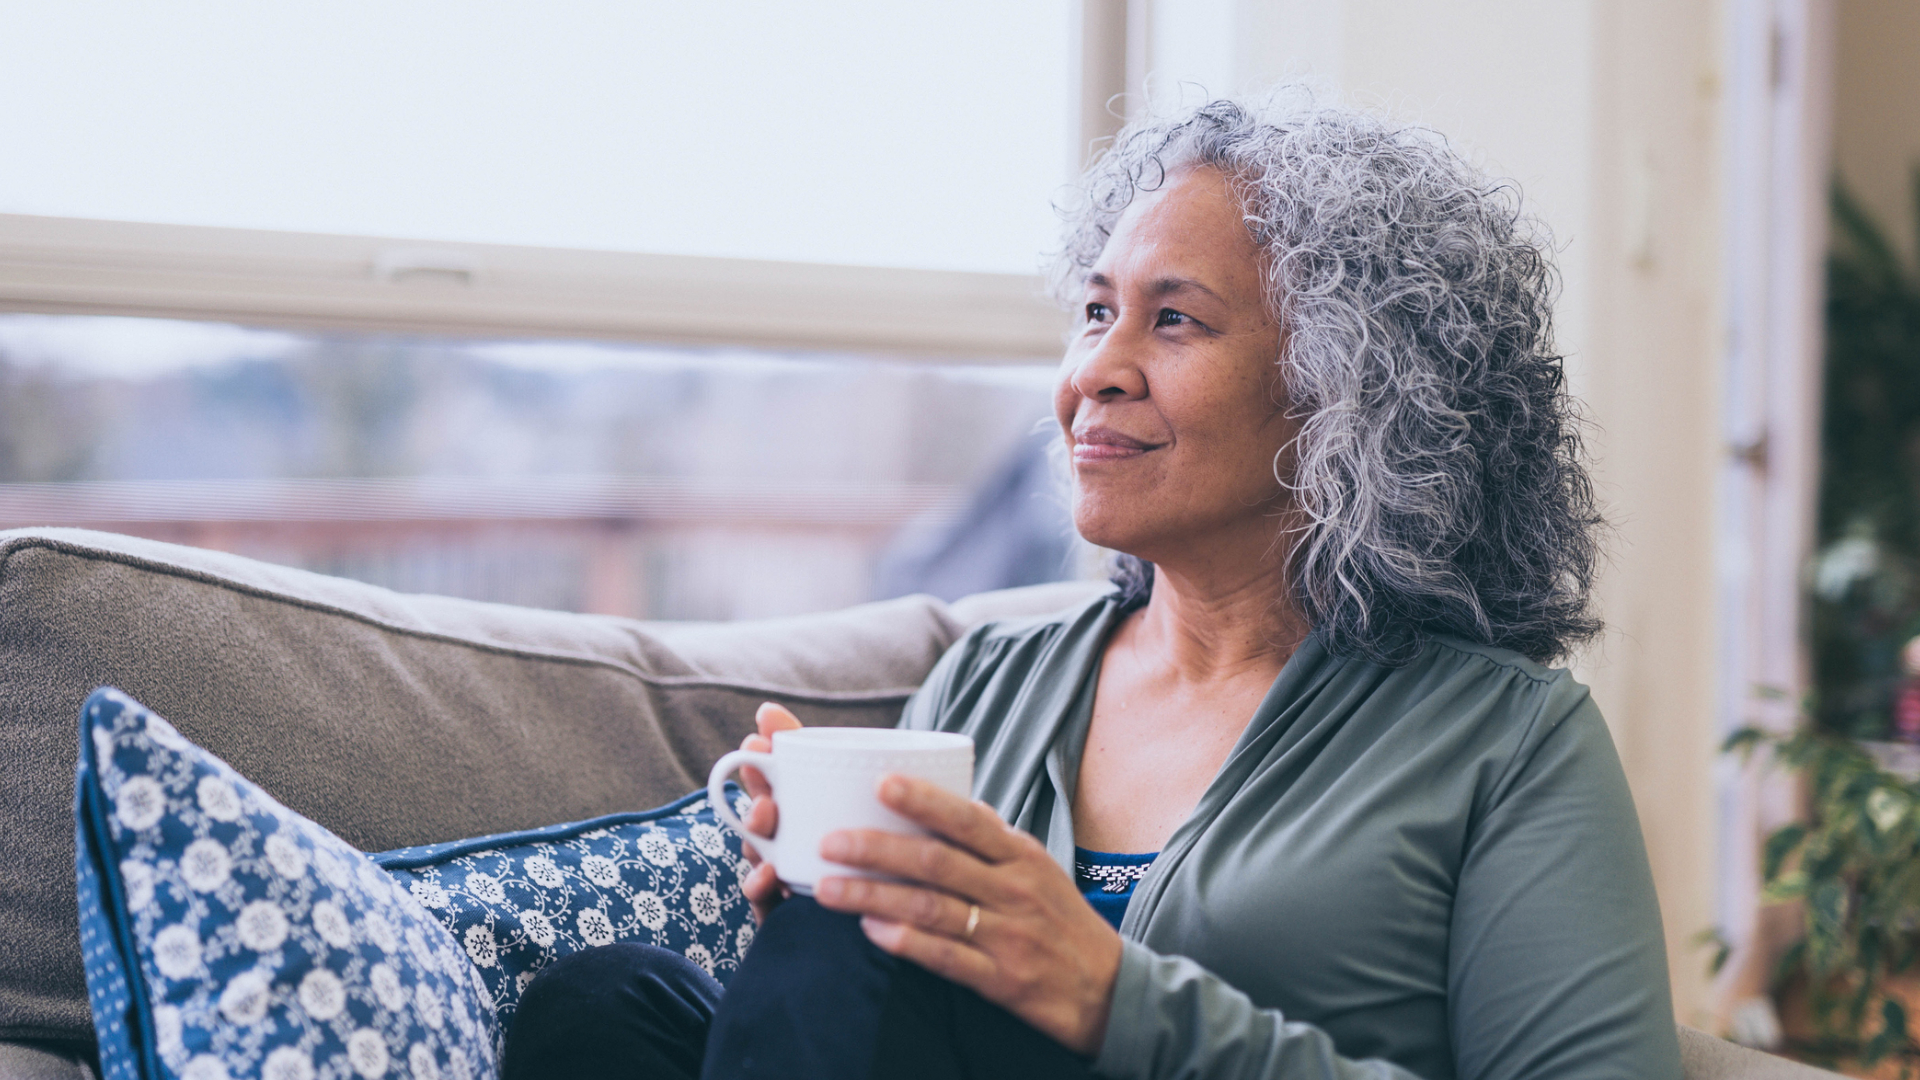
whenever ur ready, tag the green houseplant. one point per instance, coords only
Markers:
(1854, 863)
(1866, 595)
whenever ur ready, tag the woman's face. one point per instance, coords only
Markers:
(1170, 395)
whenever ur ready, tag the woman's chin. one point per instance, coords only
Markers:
(1123, 537)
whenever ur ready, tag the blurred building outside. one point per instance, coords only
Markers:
(646, 482)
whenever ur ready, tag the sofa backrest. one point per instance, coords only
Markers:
(391, 719)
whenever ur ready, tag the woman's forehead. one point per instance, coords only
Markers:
(1191, 228)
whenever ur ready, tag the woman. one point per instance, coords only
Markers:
(1312, 396)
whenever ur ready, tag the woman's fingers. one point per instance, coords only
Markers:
(763, 891)
(937, 953)
(936, 912)
(771, 717)
(753, 779)
(767, 719)
(762, 819)
(922, 859)
(972, 825)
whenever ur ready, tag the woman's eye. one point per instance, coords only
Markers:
(1170, 317)
(1098, 312)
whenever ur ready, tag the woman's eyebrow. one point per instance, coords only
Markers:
(1164, 286)
(1160, 286)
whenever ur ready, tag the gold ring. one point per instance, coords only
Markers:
(973, 920)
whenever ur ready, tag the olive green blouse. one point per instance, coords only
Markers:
(1428, 871)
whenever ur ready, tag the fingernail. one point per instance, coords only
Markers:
(835, 847)
(831, 889)
(893, 789)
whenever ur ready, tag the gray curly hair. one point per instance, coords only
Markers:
(1438, 471)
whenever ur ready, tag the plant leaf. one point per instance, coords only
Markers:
(1779, 846)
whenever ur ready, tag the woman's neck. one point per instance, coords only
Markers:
(1214, 627)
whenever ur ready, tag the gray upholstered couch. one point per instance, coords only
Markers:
(398, 720)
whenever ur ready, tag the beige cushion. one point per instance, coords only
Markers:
(1703, 1057)
(390, 719)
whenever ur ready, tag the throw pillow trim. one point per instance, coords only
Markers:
(99, 883)
(423, 855)
(883, 696)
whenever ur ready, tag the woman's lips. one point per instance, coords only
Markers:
(1106, 444)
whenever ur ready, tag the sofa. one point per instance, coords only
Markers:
(397, 720)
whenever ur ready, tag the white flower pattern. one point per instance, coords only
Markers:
(698, 953)
(538, 927)
(286, 856)
(246, 997)
(599, 870)
(367, 1053)
(480, 946)
(176, 952)
(288, 1063)
(322, 994)
(426, 1003)
(136, 878)
(217, 799)
(544, 872)
(141, 803)
(667, 877)
(595, 928)
(704, 903)
(708, 840)
(651, 910)
(208, 1067)
(167, 1026)
(205, 865)
(331, 924)
(387, 987)
(259, 944)
(261, 926)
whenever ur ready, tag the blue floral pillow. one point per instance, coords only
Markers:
(227, 937)
(519, 901)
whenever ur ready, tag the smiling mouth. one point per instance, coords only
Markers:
(1106, 444)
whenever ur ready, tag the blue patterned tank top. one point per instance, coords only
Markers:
(1107, 879)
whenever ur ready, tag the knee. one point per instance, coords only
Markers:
(802, 936)
(644, 998)
(806, 1001)
(619, 977)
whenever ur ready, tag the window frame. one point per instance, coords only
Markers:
(53, 265)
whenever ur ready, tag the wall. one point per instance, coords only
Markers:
(1877, 108)
(1607, 113)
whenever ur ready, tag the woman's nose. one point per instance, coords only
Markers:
(1110, 367)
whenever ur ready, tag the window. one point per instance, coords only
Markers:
(862, 132)
(807, 221)
(649, 481)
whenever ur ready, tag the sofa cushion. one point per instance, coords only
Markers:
(392, 720)
(225, 935)
(1704, 1057)
(519, 901)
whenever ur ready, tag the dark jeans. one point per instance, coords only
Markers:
(814, 1000)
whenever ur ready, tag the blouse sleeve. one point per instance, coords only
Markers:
(1557, 965)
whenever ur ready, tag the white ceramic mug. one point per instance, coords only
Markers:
(826, 779)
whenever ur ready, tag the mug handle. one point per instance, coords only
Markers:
(717, 796)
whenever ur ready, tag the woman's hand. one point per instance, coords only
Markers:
(763, 890)
(1037, 948)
